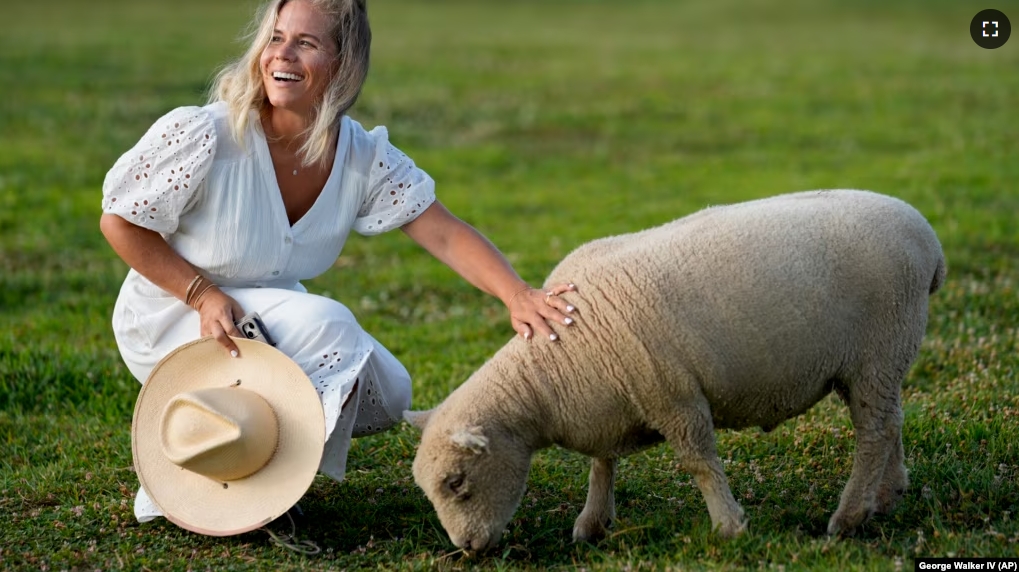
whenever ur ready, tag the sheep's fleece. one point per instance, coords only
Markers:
(734, 316)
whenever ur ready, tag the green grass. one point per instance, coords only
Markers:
(545, 124)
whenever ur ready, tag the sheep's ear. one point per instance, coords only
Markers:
(418, 419)
(471, 439)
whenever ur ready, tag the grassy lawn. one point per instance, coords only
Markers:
(545, 124)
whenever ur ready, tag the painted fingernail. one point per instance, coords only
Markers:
(568, 321)
(553, 337)
(527, 335)
(570, 308)
(233, 353)
(573, 285)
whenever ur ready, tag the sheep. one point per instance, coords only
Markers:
(734, 316)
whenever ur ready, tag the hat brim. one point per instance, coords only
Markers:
(217, 508)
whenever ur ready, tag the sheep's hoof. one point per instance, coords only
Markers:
(590, 529)
(838, 529)
(842, 524)
(731, 529)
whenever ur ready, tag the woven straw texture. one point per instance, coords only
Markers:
(211, 507)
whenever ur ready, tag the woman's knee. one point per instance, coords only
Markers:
(308, 321)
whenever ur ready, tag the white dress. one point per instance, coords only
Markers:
(218, 205)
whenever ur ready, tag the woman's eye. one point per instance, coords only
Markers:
(307, 44)
(276, 39)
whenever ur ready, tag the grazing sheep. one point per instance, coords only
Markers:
(735, 316)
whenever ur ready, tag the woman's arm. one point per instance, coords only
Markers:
(465, 250)
(150, 255)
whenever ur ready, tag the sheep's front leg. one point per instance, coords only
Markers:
(692, 435)
(600, 509)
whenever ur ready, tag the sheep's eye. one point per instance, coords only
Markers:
(456, 486)
(455, 482)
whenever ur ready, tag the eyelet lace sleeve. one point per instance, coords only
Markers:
(398, 191)
(153, 183)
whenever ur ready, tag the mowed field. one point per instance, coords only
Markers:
(545, 124)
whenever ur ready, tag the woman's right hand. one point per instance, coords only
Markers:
(217, 312)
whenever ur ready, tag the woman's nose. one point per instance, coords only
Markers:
(285, 52)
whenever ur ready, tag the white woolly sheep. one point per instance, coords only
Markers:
(735, 316)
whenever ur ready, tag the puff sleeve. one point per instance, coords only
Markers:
(154, 182)
(398, 191)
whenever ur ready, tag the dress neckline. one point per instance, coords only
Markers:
(269, 172)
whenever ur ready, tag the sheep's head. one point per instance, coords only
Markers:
(474, 477)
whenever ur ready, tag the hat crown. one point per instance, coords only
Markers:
(223, 433)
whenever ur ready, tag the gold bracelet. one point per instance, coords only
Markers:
(191, 288)
(194, 303)
(519, 292)
(194, 291)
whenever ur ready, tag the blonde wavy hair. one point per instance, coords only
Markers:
(239, 83)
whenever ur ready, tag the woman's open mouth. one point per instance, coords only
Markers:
(287, 76)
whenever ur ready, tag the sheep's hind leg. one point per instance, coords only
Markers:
(895, 480)
(600, 508)
(692, 435)
(877, 463)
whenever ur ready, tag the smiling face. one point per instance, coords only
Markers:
(300, 59)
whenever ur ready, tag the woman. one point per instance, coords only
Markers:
(221, 210)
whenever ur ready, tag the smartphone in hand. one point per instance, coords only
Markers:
(251, 327)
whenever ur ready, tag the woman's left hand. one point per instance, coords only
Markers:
(461, 247)
(532, 310)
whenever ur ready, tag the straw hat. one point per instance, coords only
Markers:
(225, 445)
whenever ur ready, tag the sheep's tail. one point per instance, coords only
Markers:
(939, 274)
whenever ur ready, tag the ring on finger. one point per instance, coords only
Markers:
(548, 295)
